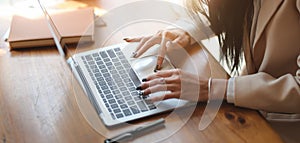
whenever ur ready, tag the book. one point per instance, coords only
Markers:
(72, 25)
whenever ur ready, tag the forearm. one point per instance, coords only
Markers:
(263, 92)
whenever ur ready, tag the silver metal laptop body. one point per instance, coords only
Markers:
(109, 81)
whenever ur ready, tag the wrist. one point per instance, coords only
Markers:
(217, 90)
(203, 90)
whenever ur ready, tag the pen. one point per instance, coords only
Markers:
(130, 135)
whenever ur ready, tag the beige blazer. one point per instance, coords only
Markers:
(270, 83)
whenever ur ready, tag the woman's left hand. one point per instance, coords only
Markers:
(178, 83)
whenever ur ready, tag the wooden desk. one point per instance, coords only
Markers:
(38, 104)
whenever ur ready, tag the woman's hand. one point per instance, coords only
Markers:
(177, 83)
(165, 38)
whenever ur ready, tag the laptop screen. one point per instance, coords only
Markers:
(53, 30)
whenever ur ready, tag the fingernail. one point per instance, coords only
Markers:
(159, 67)
(144, 80)
(141, 93)
(139, 88)
(145, 97)
(156, 68)
(126, 39)
(133, 55)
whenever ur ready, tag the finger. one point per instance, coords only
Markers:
(164, 97)
(137, 39)
(142, 42)
(160, 87)
(162, 51)
(159, 74)
(149, 43)
(152, 83)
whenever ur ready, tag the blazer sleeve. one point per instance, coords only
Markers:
(263, 92)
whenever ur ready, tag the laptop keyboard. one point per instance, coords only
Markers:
(116, 83)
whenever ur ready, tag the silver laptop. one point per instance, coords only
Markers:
(109, 81)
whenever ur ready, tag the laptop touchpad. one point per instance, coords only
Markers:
(145, 66)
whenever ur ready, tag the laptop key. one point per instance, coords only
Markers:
(93, 67)
(109, 96)
(134, 77)
(109, 64)
(108, 78)
(95, 71)
(116, 92)
(106, 60)
(137, 98)
(111, 101)
(95, 55)
(152, 107)
(97, 58)
(123, 88)
(130, 102)
(134, 109)
(91, 63)
(97, 75)
(127, 112)
(103, 54)
(88, 57)
(123, 106)
(130, 84)
(115, 59)
(117, 64)
(99, 62)
(124, 76)
(116, 111)
(120, 84)
(118, 96)
(118, 80)
(125, 93)
(111, 53)
(114, 106)
(101, 94)
(111, 68)
(121, 101)
(104, 87)
(117, 49)
(101, 66)
(104, 100)
(113, 116)
(133, 89)
(104, 71)
(142, 106)
(128, 98)
(102, 83)
(120, 115)
(119, 67)
(106, 75)
(106, 92)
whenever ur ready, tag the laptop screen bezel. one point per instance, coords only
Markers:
(54, 31)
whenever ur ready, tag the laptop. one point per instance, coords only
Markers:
(109, 81)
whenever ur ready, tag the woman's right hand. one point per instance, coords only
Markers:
(166, 38)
